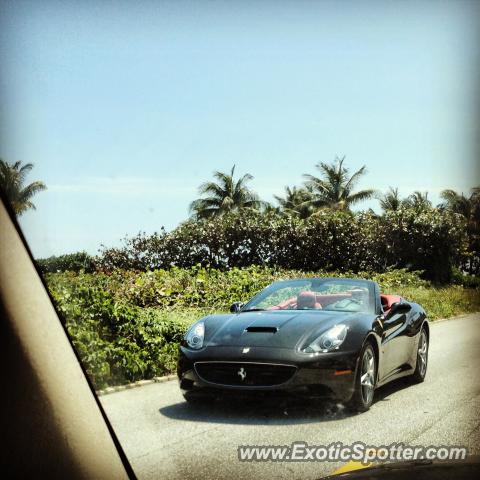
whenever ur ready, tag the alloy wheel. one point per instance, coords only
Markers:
(367, 379)
(422, 353)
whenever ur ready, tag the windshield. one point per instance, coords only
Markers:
(316, 294)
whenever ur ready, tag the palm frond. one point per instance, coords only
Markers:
(213, 189)
(12, 178)
(361, 196)
(355, 177)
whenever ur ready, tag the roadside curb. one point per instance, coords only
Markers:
(140, 383)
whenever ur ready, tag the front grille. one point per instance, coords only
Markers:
(244, 374)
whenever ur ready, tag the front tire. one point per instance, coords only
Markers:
(362, 397)
(418, 375)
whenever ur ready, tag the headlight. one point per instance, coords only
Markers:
(195, 335)
(328, 341)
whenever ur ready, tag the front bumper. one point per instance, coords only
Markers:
(327, 375)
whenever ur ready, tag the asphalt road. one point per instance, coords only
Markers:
(164, 437)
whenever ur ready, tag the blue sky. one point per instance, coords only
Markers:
(126, 108)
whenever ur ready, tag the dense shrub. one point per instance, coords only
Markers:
(329, 240)
(117, 342)
(465, 279)
(431, 241)
(199, 287)
(73, 262)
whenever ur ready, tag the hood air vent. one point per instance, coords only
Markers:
(262, 329)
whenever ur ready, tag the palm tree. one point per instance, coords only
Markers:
(418, 201)
(225, 195)
(469, 208)
(270, 208)
(334, 189)
(12, 179)
(459, 203)
(390, 201)
(296, 201)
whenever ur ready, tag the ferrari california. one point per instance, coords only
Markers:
(314, 337)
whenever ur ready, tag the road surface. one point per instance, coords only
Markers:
(164, 437)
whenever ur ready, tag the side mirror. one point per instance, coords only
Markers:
(399, 307)
(236, 307)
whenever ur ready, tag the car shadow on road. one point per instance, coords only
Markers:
(382, 393)
(257, 412)
(272, 411)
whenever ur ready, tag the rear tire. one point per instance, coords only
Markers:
(418, 375)
(363, 394)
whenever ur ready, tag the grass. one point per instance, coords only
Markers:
(443, 302)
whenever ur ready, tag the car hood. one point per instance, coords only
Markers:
(279, 329)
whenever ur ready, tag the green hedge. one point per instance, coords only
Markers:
(73, 262)
(117, 342)
(432, 241)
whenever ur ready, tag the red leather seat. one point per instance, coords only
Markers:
(389, 300)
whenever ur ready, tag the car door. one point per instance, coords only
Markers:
(394, 344)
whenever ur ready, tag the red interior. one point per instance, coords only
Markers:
(388, 301)
(308, 299)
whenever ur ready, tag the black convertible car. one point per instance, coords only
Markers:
(316, 337)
